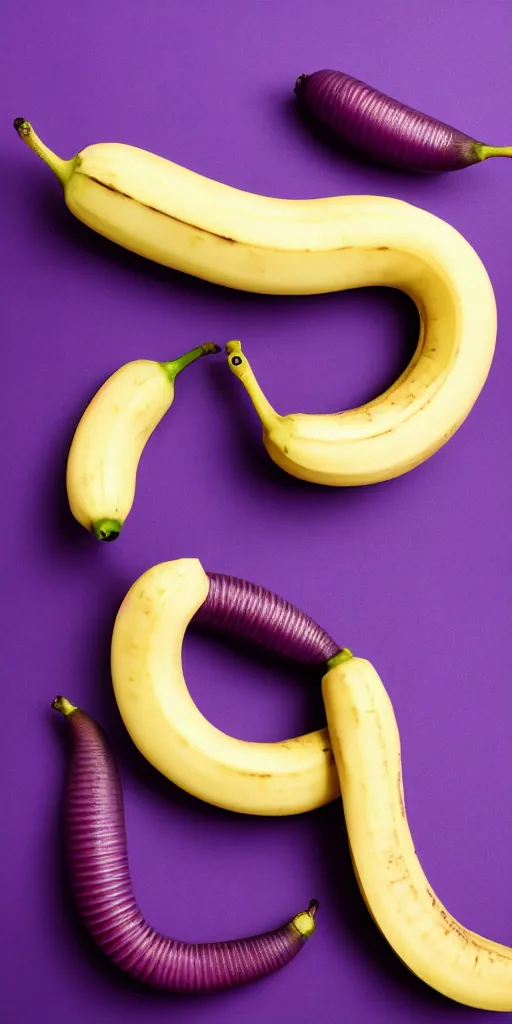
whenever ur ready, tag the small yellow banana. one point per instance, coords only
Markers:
(184, 220)
(287, 777)
(431, 943)
(110, 438)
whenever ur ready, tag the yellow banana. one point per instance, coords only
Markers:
(386, 437)
(111, 436)
(286, 777)
(447, 956)
(213, 231)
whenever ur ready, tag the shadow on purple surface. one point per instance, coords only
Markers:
(58, 527)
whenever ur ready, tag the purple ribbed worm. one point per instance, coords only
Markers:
(252, 612)
(386, 129)
(95, 840)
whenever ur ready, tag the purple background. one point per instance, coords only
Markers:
(413, 574)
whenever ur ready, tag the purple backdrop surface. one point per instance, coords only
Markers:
(413, 574)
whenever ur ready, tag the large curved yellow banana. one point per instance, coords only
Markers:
(433, 945)
(286, 777)
(183, 220)
(111, 436)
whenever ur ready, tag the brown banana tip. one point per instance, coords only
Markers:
(210, 348)
(313, 907)
(21, 125)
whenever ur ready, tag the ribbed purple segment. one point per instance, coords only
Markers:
(100, 879)
(382, 127)
(251, 612)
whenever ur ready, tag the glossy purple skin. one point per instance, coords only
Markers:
(250, 612)
(382, 127)
(100, 878)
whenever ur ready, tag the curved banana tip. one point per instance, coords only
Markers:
(22, 126)
(234, 354)
(107, 529)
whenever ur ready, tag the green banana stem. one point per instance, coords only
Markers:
(241, 368)
(175, 366)
(107, 529)
(343, 655)
(62, 169)
(485, 151)
(64, 705)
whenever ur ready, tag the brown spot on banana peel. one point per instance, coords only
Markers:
(400, 797)
(111, 188)
(432, 897)
(126, 195)
(330, 756)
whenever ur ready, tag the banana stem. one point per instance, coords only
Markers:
(343, 655)
(241, 368)
(486, 151)
(175, 366)
(107, 529)
(305, 921)
(64, 705)
(62, 169)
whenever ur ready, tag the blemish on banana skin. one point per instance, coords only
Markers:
(400, 793)
(126, 195)
(327, 750)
